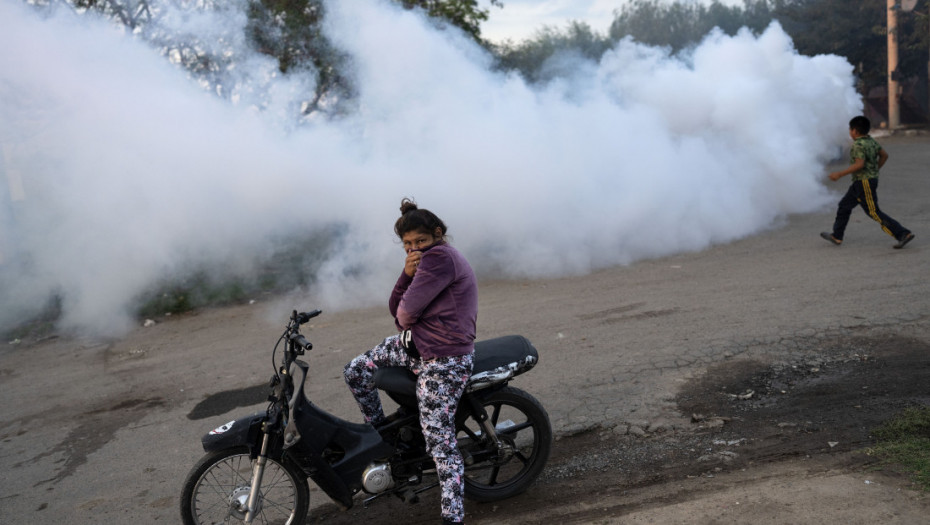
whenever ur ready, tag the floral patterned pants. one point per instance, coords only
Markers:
(440, 384)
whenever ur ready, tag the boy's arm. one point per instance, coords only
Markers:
(856, 166)
(882, 157)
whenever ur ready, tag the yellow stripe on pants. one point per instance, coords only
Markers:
(870, 203)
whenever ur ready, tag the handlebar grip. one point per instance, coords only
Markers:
(301, 342)
(303, 317)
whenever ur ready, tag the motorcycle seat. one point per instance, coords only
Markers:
(496, 360)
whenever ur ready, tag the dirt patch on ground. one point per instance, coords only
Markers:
(828, 402)
(746, 416)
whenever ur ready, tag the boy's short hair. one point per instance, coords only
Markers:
(861, 124)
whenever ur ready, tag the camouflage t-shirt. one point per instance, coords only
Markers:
(865, 148)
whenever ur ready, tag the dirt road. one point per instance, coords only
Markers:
(733, 385)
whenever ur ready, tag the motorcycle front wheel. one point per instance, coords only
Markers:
(217, 490)
(523, 427)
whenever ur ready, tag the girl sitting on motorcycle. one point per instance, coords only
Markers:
(435, 306)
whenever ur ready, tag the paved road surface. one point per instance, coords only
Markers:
(98, 432)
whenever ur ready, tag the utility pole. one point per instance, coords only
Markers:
(894, 110)
(908, 6)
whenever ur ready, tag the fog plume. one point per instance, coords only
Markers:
(118, 171)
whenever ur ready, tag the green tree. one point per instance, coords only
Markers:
(288, 30)
(678, 25)
(858, 31)
(653, 22)
(291, 31)
(855, 30)
(464, 14)
(533, 57)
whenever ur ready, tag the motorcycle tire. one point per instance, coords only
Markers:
(522, 424)
(218, 486)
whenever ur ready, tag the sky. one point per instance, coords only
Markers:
(520, 19)
(120, 173)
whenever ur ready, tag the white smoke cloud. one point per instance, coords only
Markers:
(130, 172)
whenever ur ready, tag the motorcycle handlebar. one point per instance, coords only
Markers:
(303, 317)
(301, 342)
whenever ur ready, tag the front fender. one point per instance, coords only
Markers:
(245, 431)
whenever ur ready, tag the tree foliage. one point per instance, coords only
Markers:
(854, 30)
(535, 57)
(858, 31)
(678, 25)
(674, 25)
(290, 31)
(464, 14)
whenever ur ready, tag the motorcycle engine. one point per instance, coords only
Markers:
(377, 478)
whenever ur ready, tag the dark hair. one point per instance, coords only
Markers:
(861, 124)
(413, 218)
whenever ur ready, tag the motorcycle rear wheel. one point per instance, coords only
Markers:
(218, 486)
(522, 424)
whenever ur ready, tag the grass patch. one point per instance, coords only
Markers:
(287, 263)
(41, 326)
(195, 291)
(904, 443)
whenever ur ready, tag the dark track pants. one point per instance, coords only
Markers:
(864, 193)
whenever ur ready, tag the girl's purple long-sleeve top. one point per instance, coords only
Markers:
(439, 304)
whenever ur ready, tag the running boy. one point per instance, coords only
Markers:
(865, 159)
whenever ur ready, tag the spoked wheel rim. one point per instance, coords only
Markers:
(222, 492)
(521, 435)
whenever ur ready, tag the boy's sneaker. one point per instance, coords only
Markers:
(904, 240)
(829, 236)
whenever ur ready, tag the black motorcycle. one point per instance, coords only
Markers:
(256, 467)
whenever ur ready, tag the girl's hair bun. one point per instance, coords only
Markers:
(407, 205)
(413, 218)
